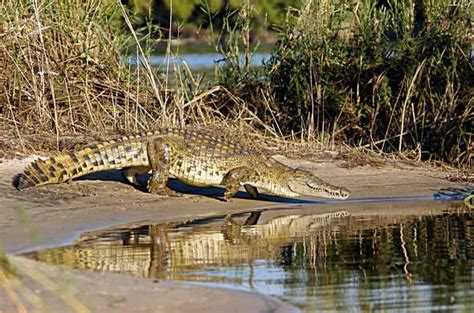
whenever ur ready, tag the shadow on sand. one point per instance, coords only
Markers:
(211, 192)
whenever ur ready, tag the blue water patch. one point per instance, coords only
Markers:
(453, 193)
(196, 60)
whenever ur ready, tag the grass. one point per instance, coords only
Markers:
(65, 75)
(391, 79)
(341, 73)
(5, 266)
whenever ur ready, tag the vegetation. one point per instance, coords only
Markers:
(63, 74)
(195, 14)
(5, 267)
(391, 77)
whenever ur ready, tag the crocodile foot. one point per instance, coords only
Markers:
(159, 190)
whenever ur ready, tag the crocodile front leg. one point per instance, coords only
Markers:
(158, 152)
(232, 181)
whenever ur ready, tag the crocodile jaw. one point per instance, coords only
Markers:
(305, 183)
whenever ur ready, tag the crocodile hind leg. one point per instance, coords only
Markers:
(233, 179)
(252, 191)
(130, 173)
(158, 156)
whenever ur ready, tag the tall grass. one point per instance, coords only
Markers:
(395, 78)
(392, 78)
(63, 73)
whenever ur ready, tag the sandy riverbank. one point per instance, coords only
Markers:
(55, 215)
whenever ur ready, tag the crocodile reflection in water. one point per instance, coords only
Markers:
(151, 250)
(390, 261)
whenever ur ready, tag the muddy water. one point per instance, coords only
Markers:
(332, 261)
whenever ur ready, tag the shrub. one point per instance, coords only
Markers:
(392, 78)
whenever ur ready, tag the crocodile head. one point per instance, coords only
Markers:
(305, 183)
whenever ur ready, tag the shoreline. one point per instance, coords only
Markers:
(57, 214)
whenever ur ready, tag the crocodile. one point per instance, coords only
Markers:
(194, 157)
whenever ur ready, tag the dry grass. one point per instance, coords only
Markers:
(63, 76)
(63, 82)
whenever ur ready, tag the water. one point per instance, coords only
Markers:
(332, 261)
(197, 61)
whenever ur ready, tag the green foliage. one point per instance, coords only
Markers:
(371, 76)
(194, 12)
(275, 10)
(392, 78)
(182, 10)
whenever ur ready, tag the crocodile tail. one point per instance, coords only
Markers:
(125, 152)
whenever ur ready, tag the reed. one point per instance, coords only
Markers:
(390, 78)
(63, 74)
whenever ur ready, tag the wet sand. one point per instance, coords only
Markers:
(57, 214)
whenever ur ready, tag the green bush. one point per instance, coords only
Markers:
(393, 78)
(196, 12)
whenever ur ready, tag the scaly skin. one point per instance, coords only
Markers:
(196, 158)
